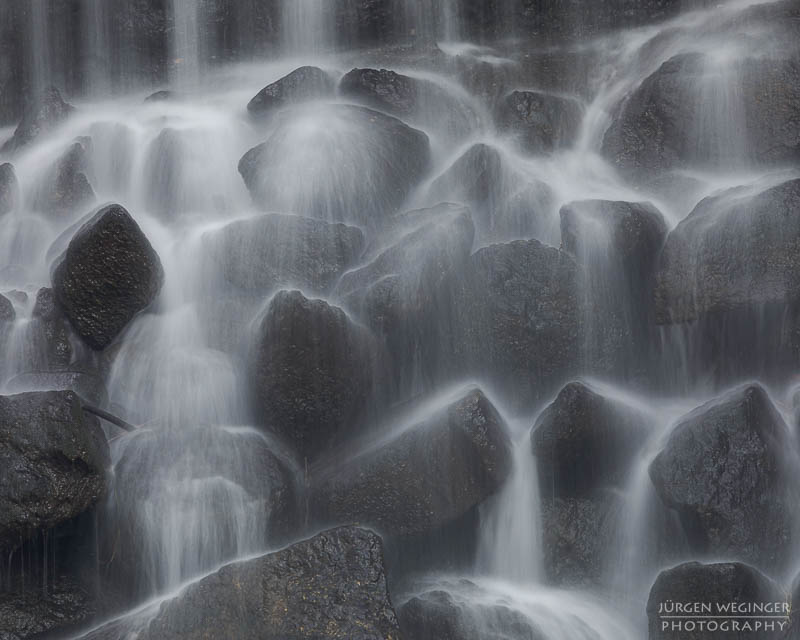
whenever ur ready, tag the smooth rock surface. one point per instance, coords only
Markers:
(301, 85)
(438, 467)
(724, 471)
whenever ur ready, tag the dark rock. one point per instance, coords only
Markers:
(617, 245)
(31, 613)
(54, 460)
(657, 127)
(43, 113)
(399, 293)
(301, 85)
(50, 332)
(315, 372)
(277, 250)
(724, 471)
(331, 586)
(89, 387)
(432, 470)
(439, 614)
(586, 441)
(107, 275)
(7, 313)
(9, 189)
(738, 249)
(516, 316)
(506, 205)
(542, 122)
(217, 469)
(577, 534)
(382, 89)
(334, 173)
(67, 189)
(716, 585)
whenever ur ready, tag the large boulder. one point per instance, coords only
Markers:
(9, 189)
(426, 471)
(724, 471)
(542, 122)
(163, 476)
(382, 89)
(719, 600)
(330, 586)
(465, 613)
(657, 126)
(617, 245)
(336, 162)
(301, 85)
(30, 612)
(277, 250)
(66, 189)
(54, 460)
(735, 250)
(585, 441)
(517, 318)
(44, 112)
(399, 292)
(506, 204)
(315, 373)
(7, 313)
(107, 275)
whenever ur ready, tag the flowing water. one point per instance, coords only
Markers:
(181, 482)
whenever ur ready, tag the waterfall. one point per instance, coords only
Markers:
(462, 273)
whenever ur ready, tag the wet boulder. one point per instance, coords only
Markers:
(108, 274)
(44, 112)
(330, 586)
(724, 471)
(716, 585)
(29, 612)
(277, 250)
(585, 441)
(506, 204)
(516, 315)
(425, 470)
(9, 189)
(54, 459)
(399, 292)
(541, 122)
(417, 100)
(736, 250)
(66, 189)
(577, 534)
(382, 89)
(462, 612)
(315, 373)
(301, 85)
(660, 125)
(339, 163)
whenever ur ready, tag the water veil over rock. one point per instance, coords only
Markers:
(399, 319)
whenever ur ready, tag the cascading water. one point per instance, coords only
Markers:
(541, 272)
